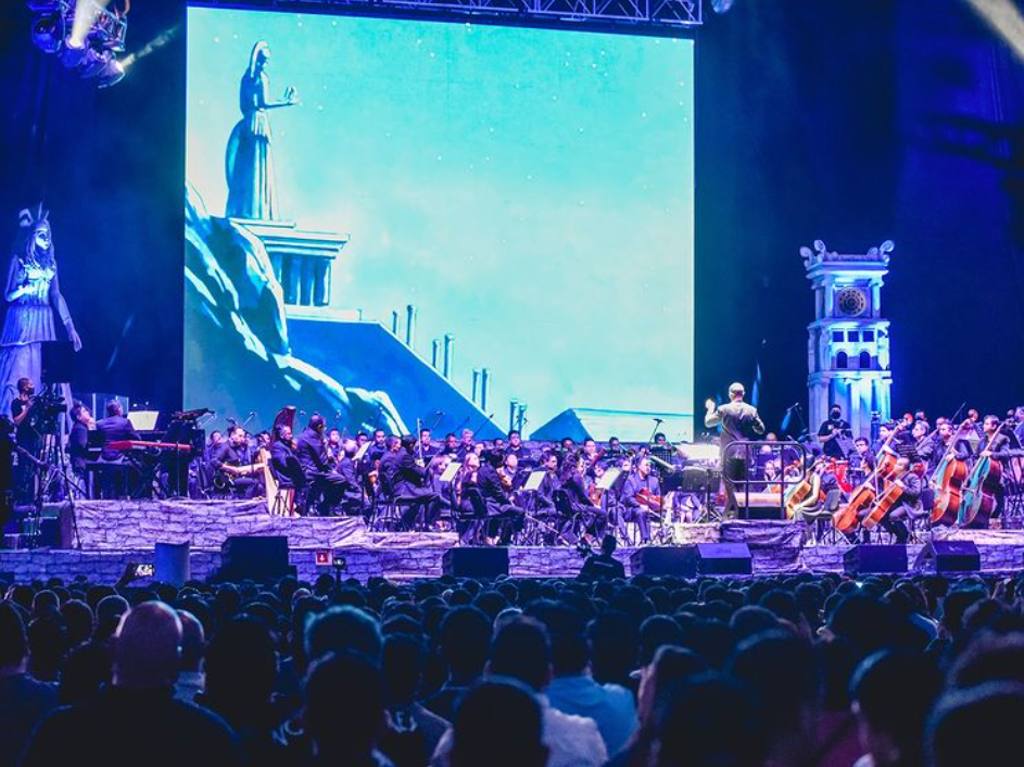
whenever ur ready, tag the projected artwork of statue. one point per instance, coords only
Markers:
(249, 162)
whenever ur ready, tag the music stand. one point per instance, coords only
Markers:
(57, 368)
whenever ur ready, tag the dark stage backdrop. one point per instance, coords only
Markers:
(108, 165)
(852, 121)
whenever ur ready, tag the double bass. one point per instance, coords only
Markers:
(845, 520)
(948, 479)
(979, 491)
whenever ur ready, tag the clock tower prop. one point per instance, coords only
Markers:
(848, 342)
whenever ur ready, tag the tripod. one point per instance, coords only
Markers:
(54, 480)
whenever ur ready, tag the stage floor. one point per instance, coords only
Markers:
(101, 537)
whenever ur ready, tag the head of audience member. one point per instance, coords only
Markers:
(670, 666)
(79, 621)
(697, 726)
(892, 694)
(47, 646)
(109, 611)
(780, 670)
(402, 666)
(490, 711)
(521, 651)
(343, 629)
(613, 647)
(465, 640)
(975, 726)
(344, 708)
(989, 658)
(147, 647)
(241, 669)
(13, 641)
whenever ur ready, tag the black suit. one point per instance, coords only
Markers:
(499, 505)
(325, 486)
(285, 466)
(78, 448)
(403, 480)
(114, 428)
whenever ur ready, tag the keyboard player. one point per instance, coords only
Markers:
(114, 481)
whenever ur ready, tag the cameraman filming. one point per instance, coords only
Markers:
(26, 438)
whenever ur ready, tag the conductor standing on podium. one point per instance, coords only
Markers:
(738, 421)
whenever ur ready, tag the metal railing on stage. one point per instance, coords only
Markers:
(751, 450)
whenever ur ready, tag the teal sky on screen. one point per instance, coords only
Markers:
(530, 191)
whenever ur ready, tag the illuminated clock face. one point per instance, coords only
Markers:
(851, 302)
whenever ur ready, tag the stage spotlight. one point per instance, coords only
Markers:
(72, 55)
(721, 6)
(48, 33)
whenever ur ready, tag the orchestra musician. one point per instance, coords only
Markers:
(996, 445)
(466, 445)
(737, 421)
(378, 448)
(325, 485)
(833, 433)
(910, 478)
(406, 480)
(862, 461)
(573, 482)
(285, 466)
(468, 502)
(640, 487)
(78, 439)
(426, 447)
(932, 451)
(517, 448)
(496, 492)
(236, 467)
(350, 501)
(334, 448)
(115, 483)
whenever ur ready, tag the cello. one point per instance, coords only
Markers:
(888, 498)
(979, 492)
(802, 490)
(948, 479)
(845, 520)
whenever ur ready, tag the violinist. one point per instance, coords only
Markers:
(334, 449)
(500, 508)
(351, 500)
(468, 502)
(544, 498)
(640, 487)
(509, 473)
(426, 447)
(590, 452)
(405, 480)
(451, 445)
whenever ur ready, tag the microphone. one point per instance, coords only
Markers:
(657, 420)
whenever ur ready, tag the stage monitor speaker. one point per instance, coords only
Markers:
(866, 559)
(949, 557)
(475, 561)
(171, 563)
(680, 561)
(724, 559)
(259, 558)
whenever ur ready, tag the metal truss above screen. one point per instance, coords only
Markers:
(635, 15)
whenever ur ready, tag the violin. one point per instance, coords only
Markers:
(846, 519)
(979, 493)
(646, 498)
(948, 480)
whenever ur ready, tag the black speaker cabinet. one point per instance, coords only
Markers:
(475, 561)
(949, 557)
(692, 560)
(875, 559)
(259, 558)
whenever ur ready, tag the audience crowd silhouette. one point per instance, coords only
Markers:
(796, 670)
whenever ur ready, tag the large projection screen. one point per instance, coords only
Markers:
(528, 192)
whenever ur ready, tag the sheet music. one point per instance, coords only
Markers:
(534, 480)
(449, 474)
(608, 478)
(144, 420)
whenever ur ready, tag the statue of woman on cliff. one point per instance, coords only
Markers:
(248, 162)
(34, 303)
